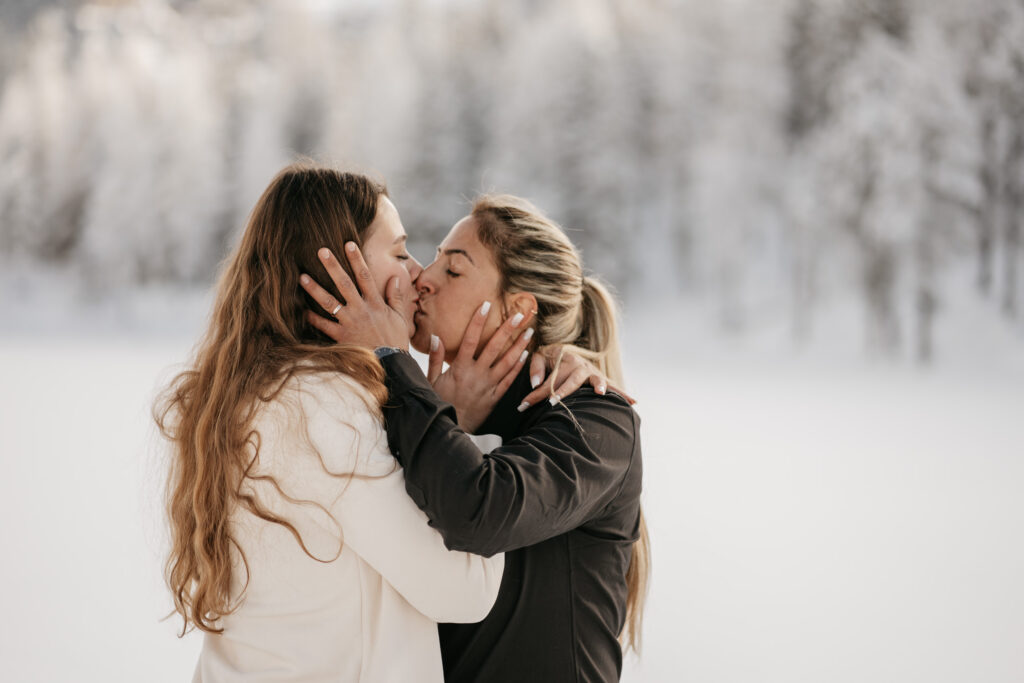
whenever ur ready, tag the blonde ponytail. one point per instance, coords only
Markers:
(600, 328)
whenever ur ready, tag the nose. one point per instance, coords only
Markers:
(424, 282)
(414, 268)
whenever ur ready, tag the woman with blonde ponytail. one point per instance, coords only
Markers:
(294, 546)
(561, 495)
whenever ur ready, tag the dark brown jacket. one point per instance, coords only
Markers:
(561, 497)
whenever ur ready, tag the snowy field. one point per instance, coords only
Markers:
(817, 515)
(809, 524)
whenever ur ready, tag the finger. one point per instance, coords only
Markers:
(514, 357)
(538, 369)
(471, 337)
(364, 279)
(599, 382)
(511, 375)
(623, 394)
(536, 396)
(328, 327)
(320, 295)
(500, 339)
(435, 360)
(569, 363)
(573, 382)
(340, 278)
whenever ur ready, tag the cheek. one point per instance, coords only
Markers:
(455, 316)
(385, 275)
(443, 324)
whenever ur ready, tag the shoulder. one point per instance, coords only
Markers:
(333, 392)
(605, 426)
(610, 428)
(337, 417)
(610, 411)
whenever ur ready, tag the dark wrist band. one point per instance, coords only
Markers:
(384, 351)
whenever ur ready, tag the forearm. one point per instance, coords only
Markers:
(446, 474)
(543, 482)
(384, 527)
(371, 511)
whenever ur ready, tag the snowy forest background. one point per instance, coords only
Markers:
(765, 158)
(797, 200)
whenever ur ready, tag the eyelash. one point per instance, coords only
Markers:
(452, 273)
(402, 257)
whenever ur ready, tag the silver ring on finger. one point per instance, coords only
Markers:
(336, 309)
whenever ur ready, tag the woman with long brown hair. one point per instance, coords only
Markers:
(561, 495)
(294, 545)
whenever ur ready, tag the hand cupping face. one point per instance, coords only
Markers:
(474, 382)
(378, 309)
(365, 317)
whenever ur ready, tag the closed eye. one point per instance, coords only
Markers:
(452, 273)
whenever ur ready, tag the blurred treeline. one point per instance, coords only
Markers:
(762, 155)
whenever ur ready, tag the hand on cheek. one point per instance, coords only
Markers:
(480, 373)
(366, 318)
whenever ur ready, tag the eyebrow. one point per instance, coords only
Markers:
(449, 252)
(401, 238)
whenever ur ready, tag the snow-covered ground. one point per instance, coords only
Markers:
(811, 521)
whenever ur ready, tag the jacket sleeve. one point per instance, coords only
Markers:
(560, 472)
(382, 525)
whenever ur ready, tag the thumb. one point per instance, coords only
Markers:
(435, 360)
(393, 293)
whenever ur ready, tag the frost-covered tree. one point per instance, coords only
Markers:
(156, 155)
(992, 41)
(661, 77)
(762, 156)
(557, 133)
(455, 52)
(736, 189)
(883, 154)
(44, 166)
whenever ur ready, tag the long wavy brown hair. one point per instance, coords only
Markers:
(257, 339)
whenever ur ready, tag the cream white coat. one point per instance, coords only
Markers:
(367, 608)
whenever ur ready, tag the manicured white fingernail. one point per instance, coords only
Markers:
(435, 341)
(528, 335)
(486, 308)
(351, 246)
(535, 381)
(325, 253)
(523, 406)
(304, 279)
(601, 389)
(523, 355)
(516, 319)
(555, 398)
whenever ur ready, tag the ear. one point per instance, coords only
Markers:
(521, 302)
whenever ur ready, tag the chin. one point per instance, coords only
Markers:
(421, 339)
